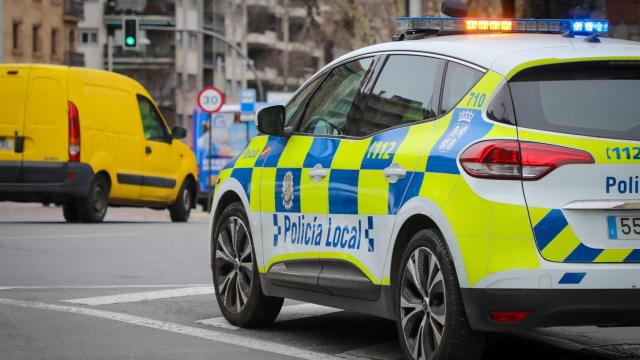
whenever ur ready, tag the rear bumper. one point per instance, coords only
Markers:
(48, 182)
(553, 307)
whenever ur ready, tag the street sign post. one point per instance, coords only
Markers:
(210, 100)
(247, 100)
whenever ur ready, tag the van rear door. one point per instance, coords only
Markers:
(13, 86)
(46, 126)
(586, 209)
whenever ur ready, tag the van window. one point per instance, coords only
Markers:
(154, 127)
(597, 98)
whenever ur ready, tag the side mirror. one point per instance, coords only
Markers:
(178, 132)
(271, 120)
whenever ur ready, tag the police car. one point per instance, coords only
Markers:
(485, 179)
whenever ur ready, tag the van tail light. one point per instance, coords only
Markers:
(74, 133)
(510, 160)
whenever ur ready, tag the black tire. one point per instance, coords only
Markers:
(257, 309)
(93, 208)
(181, 208)
(440, 300)
(70, 213)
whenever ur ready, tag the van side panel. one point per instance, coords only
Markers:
(13, 87)
(46, 125)
(110, 129)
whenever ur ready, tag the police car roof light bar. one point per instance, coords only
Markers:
(443, 26)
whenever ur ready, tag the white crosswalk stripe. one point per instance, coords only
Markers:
(142, 296)
(214, 335)
(292, 312)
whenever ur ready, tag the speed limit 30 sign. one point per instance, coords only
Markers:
(210, 99)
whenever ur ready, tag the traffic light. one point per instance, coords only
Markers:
(130, 34)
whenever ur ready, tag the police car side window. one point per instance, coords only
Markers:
(294, 105)
(328, 109)
(459, 79)
(501, 107)
(406, 91)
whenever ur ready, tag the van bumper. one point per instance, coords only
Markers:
(552, 307)
(45, 181)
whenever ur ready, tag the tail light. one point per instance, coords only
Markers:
(74, 133)
(510, 160)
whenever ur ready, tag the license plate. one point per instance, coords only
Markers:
(624, 227)
(6, 144)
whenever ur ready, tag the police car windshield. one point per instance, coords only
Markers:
(590, 98)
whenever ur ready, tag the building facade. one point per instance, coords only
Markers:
(41, 31)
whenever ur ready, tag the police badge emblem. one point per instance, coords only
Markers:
(287, 190)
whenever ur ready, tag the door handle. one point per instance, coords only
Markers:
(18, 147)
(318, 173)
(394, 173)
(147, 150)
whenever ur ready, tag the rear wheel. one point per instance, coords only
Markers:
(93, 208)
(235, 273)
(181, 208)
(70, 213)
(431, 320)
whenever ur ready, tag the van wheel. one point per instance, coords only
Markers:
(93, 208)
(236, 278)
(431, 320)
(181, 208)
(70, 213)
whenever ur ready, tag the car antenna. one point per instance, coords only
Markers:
(569, 34)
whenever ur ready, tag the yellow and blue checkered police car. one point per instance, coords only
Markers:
(483, 181)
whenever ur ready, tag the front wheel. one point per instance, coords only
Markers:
(181, 208)
(431, 320)
(235, 272)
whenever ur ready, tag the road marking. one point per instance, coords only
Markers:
(384, 351)
(218, 336)
(142, 296)
(293, 312)
(71, 287)
(36, 237)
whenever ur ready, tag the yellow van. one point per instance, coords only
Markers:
(87, 139)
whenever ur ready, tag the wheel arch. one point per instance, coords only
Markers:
(194, 188)
(409, 228)
(105, 174)
(227, 192)
(418, 214)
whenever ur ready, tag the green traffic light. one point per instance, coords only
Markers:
(130, 41)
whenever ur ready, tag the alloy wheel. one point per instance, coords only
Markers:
(234, 264)
(423, 304)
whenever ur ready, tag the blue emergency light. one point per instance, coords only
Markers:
(443, 26)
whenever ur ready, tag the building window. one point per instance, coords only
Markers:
(54, 41)
(193, 41)
(35, 39)
(88, 36)
(16, 35)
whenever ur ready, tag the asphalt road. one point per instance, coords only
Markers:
(138, 286)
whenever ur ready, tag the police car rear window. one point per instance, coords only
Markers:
(597, 99)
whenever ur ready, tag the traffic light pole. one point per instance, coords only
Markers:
(229, 43)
